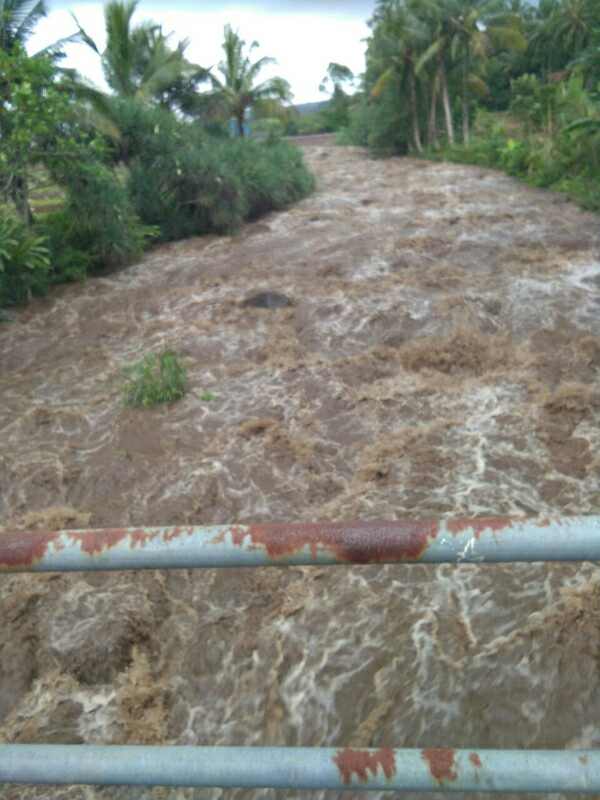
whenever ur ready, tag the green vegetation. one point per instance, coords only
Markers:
(334, 115)
(207, 397)
(149, 160)
(186, 184)
(504, 83)
(157, 378)
(24, 261)
(565, 157)
(237, 91)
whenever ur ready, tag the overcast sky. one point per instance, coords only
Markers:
(303, 35)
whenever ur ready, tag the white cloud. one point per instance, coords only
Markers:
(303, 43)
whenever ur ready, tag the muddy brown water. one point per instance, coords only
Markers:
(439, 355)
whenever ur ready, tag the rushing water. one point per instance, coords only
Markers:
(440, 356)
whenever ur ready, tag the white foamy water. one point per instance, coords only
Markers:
(359, 400)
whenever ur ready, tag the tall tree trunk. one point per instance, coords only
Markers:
(432, 138)
(465, 104)
(415, 112)
(446, 102)
(20, 197)
(240, 124)
(465, 94)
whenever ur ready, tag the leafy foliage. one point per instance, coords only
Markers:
(269, 129)
(188, 184)
(563, 156)
(125, 167)
(434, 65)
(24, 262)
(35, 122)
(139, 62)
(157, 378)
(337, 113)
(382, 125)
(18, 18)
(435, 55)
(273, 175)
(69, 261)
(99, 218)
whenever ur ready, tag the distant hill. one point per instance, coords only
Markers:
(310, 108)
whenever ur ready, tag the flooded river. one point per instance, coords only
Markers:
(436, 352)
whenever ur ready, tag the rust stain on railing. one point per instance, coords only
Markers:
(26, 548)
(19, 549)
(441, 764)
(364, 764)
(493, 539)
(362, 543)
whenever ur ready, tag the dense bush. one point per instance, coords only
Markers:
(24, 262)
(272, 175)
(359, 125)
(157, 378)
(99, 218)
(307, 125)
(382, 126)
(68, 261)
(268, 129)
(186, 191)
(128, 169)
(187, 183)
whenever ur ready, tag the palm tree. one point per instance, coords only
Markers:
(138, 61)
(571, 25)
(237, 90)
(408, 37)
(140, 66)
(18, 18)
(435, 15)
(478, 26)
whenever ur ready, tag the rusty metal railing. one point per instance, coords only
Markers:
(304, 768)
(481, 541)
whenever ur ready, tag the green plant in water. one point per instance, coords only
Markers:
(207, 397)
(157, 378)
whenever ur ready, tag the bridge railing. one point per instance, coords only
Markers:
(479, 541)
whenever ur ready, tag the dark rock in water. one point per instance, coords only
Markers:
(397, 339)
(493, 306)
(268, 300)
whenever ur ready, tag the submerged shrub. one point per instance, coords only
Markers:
(157, 378)
(24, 261)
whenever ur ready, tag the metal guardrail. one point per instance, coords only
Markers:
(305, 768)
(480, 541)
